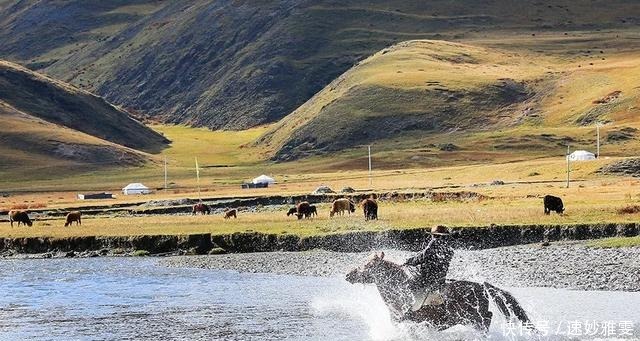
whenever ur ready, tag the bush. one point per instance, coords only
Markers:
(217, 251)
(631, 209)
(140, 253)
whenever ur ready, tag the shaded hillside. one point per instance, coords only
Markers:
(47, 123)
(61, 104)
(235, 64)
(425, 93)
(31, 145)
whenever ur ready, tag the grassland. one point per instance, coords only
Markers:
(589, 201)
(616, 242)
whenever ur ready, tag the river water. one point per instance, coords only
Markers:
(136, 298)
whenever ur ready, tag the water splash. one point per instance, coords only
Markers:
(359, 302)
(363, 303)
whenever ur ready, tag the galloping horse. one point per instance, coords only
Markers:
(465, 303)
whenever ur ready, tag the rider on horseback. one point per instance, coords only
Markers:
(431, 266)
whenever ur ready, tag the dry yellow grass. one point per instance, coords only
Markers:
(594, 204)
(548, 179)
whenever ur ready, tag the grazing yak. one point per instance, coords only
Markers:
(341, 205)
(231, 213)
(303, 209)
(370, 208)
(20, 217)
(73, 216)
(292, 211)
(313, 210)
(201, 207)
(552, 203)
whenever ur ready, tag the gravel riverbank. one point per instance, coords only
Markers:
(570, 265)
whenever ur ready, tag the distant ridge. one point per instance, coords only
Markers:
(238, 64)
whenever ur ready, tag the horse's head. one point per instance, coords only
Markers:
(368, 272)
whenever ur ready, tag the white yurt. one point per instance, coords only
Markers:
(581, 155)
(135, 188)
(263, 179)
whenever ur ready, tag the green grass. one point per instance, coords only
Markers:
(140, 253)
(616, 242)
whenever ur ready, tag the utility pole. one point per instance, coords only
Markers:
(598, 140)
(165, 173)
(198, 179)
(370, 179)
(568, 166)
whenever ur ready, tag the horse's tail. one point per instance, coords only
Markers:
(508, 304)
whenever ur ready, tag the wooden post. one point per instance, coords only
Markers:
(370, 179)
(597, 140)
(165, 174)
(198, 179)
(568, 166)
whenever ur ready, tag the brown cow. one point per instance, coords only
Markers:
(303, 209)
(370, 208)
(313, 210)
(20, 217)
(201, 207)
(341, 205)
(73, 216)
(230, 213)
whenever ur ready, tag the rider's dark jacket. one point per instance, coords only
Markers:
(432, 263)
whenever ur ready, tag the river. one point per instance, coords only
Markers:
(138, 298)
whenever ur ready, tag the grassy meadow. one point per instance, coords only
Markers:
(589, 201)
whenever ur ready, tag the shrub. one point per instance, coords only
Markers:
(140, 253)
(631, 209)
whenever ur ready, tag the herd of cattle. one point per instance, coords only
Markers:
(339, 206)
(305, 210)
(301, 210)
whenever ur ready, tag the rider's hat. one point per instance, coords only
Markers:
(440, 230)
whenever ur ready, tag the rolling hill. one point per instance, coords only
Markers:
(47, 123)
(437, 96)
(236, 64)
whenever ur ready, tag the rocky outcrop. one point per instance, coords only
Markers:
(627, 167)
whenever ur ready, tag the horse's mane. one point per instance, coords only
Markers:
(393, 268)
(394, 288)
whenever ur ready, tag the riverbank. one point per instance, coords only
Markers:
(570, 265)
(355, 241)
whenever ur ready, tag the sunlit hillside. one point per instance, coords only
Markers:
(440, 98)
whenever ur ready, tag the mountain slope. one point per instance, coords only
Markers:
(64, 105)
(235, 64)
(421, 93)
(47, 123)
